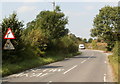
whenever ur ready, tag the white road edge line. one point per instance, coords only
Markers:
(104, 77)
(83, 61)
(70, 69)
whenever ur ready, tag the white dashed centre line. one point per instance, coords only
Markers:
(70, 69)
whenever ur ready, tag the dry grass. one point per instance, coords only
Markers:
(114, 63)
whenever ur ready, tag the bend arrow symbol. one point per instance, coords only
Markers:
(8, 34)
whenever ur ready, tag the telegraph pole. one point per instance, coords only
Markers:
(53, 3)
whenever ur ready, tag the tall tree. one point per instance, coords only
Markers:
(85, 40)
(106, 25)
(52, 22)
(90, 40)
(16, 27)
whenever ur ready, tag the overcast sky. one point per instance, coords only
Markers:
(80, 14)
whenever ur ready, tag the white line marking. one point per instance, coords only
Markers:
(45, 70)
(51, 70)
(19, 74)
(59, 70)
(104, 77)
(70, 69)
(32, 70)
(39, 74)
(83, 61)
(54, 70)
(44, 74)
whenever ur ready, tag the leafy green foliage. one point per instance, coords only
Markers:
(65, 44)
(85, 40)
(116, 49)
(106, 25)
(16, 26)
(115, 60)
(94, 44)
(37, 40)
(46, 34)
(90, 40)
(52, 22)
(68, 44)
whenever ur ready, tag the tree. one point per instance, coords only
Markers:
(90, 40)
(74, 38)
(106, 25)
(13, 23)
(79, 39)
(85, 40)
(53, 22)
(16, 27)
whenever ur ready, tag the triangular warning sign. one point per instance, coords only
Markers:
(9, 34)
(8, 45)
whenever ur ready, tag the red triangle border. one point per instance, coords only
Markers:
(12, 34)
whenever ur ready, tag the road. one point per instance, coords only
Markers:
(91, 66)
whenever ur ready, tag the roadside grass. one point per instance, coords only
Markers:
(8, 68)
(115, 64)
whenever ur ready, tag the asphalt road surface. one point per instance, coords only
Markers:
(91, 66)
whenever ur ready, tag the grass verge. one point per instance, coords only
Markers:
(8, 69)
(114, 63)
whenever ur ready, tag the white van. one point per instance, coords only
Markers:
(81, 46)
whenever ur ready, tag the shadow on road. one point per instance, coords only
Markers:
(50, 67)
(85, 57)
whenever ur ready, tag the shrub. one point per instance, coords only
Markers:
(94, 44)
(116, 50)
(68, 44)
(37, 40)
